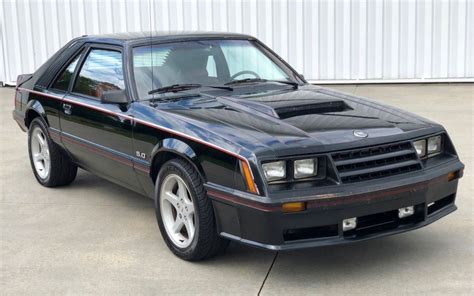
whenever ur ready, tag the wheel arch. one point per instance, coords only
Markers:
(34, 109)
(170, 148)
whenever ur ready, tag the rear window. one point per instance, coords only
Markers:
(144, 57)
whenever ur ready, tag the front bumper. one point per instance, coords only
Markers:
(263, 224)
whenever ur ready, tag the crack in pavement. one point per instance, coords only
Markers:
(268, 273)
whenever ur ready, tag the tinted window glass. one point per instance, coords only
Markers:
(62, 83)
(206, 62)
(101, 71)
(245, 60)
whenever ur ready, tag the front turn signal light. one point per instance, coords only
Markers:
(248, 177)
(292, 207)
(454, 175)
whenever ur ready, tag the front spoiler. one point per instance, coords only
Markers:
(264, 225)
(339, 240)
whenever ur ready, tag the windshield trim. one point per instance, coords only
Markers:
(287, 69)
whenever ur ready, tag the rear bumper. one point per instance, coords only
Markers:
(263, 224)
(20, 119)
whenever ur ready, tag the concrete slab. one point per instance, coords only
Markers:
(435, 260)
(94, 237)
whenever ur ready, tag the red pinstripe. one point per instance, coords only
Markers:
(244, 202)
(98, 151)
(131, 118)
(330, 199)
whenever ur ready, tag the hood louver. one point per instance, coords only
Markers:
(312, 108)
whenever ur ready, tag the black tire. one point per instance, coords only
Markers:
(62, 171)
(206, 242)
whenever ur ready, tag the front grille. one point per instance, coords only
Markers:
(376, 162)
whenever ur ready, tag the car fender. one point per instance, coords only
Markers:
(179, 148)
(34, 106)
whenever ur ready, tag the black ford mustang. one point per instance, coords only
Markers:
(233, 144)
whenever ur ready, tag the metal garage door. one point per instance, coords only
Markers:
(326, 40)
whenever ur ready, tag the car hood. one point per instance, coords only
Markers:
(302, 119)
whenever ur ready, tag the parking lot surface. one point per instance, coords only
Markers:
(94, 237)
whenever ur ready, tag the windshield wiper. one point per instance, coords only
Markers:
(250, 80)
(292, 83)
(181, 87)
(173, 88)
(245, 80)
(218, 87)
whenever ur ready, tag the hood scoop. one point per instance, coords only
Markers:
(319, 107)
(283, 109)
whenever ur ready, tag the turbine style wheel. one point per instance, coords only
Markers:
(51, 166)
(185, 214)
(40, 153)
(177, 211)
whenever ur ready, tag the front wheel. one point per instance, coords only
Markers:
(185, 214)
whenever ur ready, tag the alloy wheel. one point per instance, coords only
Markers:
(40, 153)
(177, 211)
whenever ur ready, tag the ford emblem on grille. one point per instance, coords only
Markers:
(360, 134)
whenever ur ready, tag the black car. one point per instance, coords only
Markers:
(232, 143)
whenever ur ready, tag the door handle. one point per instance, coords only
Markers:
(67, 109)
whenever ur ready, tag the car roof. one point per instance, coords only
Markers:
(157, 36)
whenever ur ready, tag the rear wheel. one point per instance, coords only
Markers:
(185, 214)
(51, 166)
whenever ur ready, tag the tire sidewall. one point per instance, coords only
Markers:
(175, 167)
(39, 123)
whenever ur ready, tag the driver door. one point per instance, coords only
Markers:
(98, 135)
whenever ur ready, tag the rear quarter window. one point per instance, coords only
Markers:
(62, 83)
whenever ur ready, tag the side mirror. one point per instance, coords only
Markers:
(302, 76)
(114, 97)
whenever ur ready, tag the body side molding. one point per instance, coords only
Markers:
(150, 124)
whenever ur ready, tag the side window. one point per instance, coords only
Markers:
(62, 83)
(101, 71)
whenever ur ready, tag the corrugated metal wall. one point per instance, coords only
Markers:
(326, 40)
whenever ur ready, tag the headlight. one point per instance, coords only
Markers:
(420, 147)
(305, 168)
(428, 147)
(274, 170)
(434, 145)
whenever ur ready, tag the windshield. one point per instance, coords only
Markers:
(204, 62)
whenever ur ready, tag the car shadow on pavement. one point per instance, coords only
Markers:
(99, 190)
(389, 255)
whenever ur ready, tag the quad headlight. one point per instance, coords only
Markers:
(420, 147)
(428, 147)
(274, 170)
(434, 145)
(304, 168)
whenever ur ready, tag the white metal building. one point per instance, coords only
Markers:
(327, 41)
